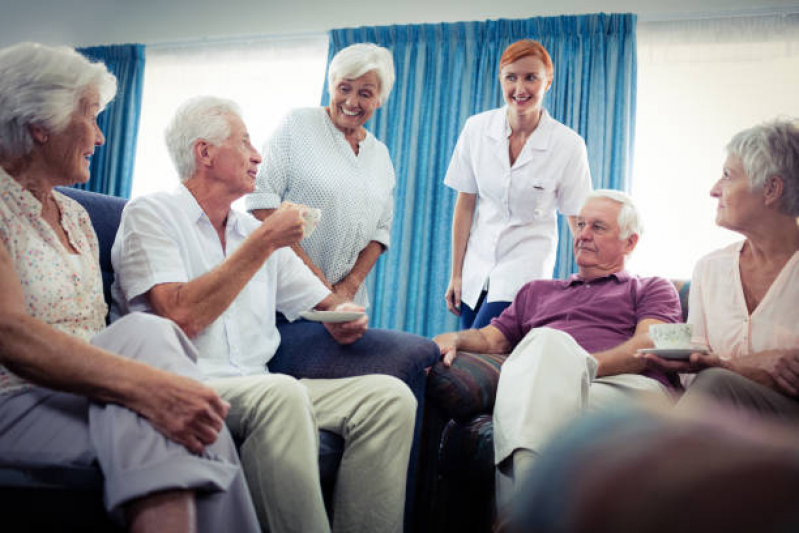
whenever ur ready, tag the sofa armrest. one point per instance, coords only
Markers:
(467, 388)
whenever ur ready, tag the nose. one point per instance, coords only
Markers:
(255, 157)
(99, 138)
(715, 191)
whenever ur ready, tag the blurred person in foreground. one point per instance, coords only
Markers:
(73, 391)
(572, 342)
(744, 297)
(221, 275)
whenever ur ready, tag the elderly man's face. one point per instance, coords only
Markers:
(597, 248)
(236, 161)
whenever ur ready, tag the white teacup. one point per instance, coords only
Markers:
(671, 336)
(310, 219)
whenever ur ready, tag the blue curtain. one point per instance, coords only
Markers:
(448, 72)
(112, 164)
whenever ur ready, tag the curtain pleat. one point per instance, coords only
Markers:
(112, 164)
(448, 72)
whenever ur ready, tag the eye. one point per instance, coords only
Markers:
(581, 224)
(532, 77)
(511, 77)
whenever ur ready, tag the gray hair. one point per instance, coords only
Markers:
(201, 117)
(629, 219)
(42, 86)
(356, 60)
(771, 149)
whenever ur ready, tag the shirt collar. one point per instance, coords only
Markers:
(575, 279)
(188, 203)
(499, 129)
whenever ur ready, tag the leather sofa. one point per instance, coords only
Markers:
(35, 498)
(457, 492)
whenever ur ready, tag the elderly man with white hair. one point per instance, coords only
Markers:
(221, 275)
(572, 342)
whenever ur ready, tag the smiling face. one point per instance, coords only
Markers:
(235, 161)
(738, 205)
(354, 101)
(524, 84)
(598, 251)
(68, 154)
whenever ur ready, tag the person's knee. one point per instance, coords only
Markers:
(393, 400)
(284, 393)
(715, 382)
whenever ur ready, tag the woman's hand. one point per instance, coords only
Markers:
(786, 373)
(453, 296)
(183, 409)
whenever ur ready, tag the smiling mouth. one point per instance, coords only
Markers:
(350, 113)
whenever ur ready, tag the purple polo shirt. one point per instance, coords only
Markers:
(599, 314)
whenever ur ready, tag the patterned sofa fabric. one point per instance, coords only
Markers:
(468, 388)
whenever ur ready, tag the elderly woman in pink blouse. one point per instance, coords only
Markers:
(73, 392)
(744, 297)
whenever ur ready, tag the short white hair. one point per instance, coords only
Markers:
(629, 219)
(201, 117)
(43, 86)
(771, 149)
(356, 60)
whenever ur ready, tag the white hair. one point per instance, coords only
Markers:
(201, 117)
(629, 219)
(43, 86)
(771, 149)
(356, 60)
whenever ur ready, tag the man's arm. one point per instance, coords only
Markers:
(263, 214)
(622, 359)
(484, 340)
(195, 304)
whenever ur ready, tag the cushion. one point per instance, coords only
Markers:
(468, 388)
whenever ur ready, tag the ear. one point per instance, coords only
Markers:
(630, 243)
(203, 153)
(773, 190)
(38, 133)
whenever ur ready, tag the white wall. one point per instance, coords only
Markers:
(94, 22)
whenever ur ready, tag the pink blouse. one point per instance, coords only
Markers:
(56, 292)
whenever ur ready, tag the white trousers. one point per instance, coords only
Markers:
(278, 418)
(546, 382)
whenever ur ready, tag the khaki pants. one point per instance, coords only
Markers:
(277, 418)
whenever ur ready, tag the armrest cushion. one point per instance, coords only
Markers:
(468, 388)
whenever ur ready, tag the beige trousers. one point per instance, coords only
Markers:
(277, 419)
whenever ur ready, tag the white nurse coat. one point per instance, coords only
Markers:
(514, 233)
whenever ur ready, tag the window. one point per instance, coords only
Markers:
(699, 83)
(266, 78)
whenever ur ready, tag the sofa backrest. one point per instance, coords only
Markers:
(105, 212)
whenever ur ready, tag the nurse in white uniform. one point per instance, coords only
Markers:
(514, 168)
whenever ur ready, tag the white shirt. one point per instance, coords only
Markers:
(307, 160)
(166, 238)
(514, 233)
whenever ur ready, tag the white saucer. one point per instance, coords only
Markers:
(673, 353)
(331, 316)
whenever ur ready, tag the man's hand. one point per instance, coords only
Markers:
(448, 344)
(348, 332)
(695, 363)
(284, 226)
(183, 409)
(786, 373)
(453, 296)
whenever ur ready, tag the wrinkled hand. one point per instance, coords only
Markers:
(284, 226)
(184, 410)
(786, 373)
(693, 364)
(453, 296)
(448, 344)
(345, 290)
(348, 332)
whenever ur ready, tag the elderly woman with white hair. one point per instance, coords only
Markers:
(73, 392)
(743, 297)
(326, 159)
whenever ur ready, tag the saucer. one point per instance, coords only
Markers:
(673, 353)
(332, 316)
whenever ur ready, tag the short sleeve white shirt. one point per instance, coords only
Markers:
(514, 233)
(308, 160)
(166, 237)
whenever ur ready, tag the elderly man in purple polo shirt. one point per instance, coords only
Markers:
(573, 341)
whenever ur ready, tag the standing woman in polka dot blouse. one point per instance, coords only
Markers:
(323, 157)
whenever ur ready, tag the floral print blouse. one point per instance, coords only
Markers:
(56, 292)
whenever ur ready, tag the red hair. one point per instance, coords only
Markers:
(524, 48)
